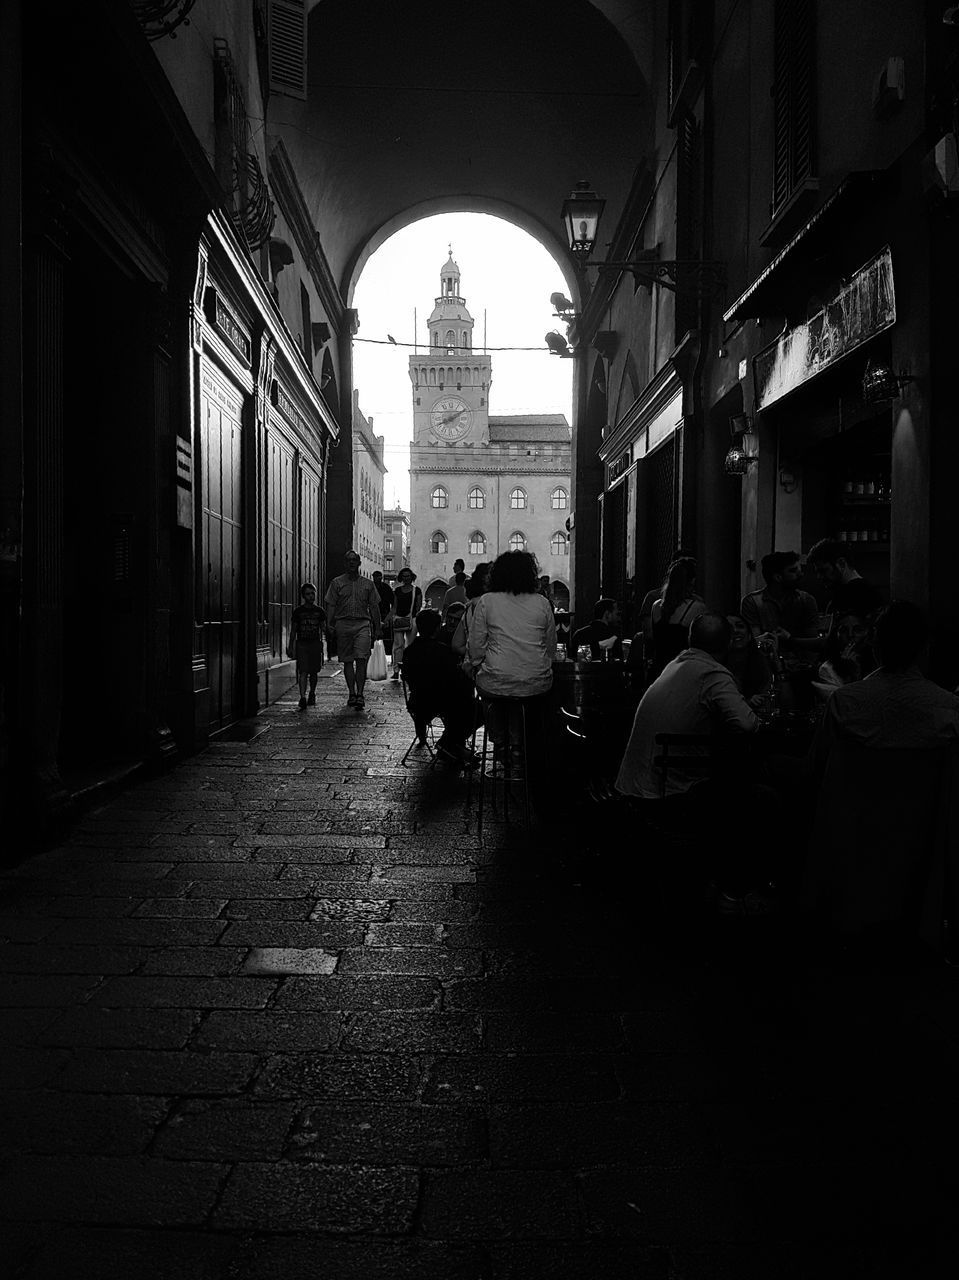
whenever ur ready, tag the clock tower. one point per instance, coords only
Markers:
(450, 382)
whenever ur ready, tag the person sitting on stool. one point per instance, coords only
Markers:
(439, 687)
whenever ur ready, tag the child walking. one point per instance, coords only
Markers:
(306, 642)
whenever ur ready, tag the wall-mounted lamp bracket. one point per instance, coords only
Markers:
(687, 277)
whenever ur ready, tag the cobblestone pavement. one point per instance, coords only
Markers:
(275, 1015)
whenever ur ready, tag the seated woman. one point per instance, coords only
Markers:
(672, 613)
(849, 655)
(512, 643)
(748, 663)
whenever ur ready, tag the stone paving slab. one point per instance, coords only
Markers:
(277, 1015)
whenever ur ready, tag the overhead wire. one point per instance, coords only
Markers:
(462, 352)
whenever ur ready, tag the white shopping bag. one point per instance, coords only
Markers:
(376, 667)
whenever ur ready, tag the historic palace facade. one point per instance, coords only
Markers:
(479, 485)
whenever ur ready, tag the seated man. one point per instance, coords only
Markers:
(602, 628)
(454, 615)
(895, 705)
(849, 592)
(787, 617)
(439, 687)
(696, 694)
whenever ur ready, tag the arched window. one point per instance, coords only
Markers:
(517, 541)
(432, 377)
(559, 499)
(450, 339)
(439, 497)
(559, 544)
(465, 340)
(517, 499)
(467, 376)
(438, 543)
(477, 543)
(436, 339)
(476, 499)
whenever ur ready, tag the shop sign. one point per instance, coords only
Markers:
(619, 467)
(219, 314)
(289, 409)
(863, 307)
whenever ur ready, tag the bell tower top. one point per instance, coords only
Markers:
(451, 325)
(450, 278)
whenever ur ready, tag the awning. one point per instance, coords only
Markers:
(771, 291)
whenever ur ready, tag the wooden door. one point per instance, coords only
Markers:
(222, 548)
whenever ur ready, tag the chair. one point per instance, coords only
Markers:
(512, 706)
(424, 735)
(884, 852)
(694, 751)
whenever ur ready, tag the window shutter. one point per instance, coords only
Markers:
(287, 44)
(792, 99)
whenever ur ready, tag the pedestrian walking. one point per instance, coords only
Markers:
(353, 608)
(306, 642)
(407, 602)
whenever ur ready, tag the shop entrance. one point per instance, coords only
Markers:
(847, 495)
(221, 572)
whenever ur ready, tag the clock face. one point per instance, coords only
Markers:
(450, 418)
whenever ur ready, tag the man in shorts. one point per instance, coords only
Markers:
(353, 609)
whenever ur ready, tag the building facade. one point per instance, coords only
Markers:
(479, 485)
(396, 542)
(781, 372)
(369, 469)
(214, 341)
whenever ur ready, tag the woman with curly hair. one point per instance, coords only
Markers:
(512, 642)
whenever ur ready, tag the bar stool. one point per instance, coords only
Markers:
(512, 706)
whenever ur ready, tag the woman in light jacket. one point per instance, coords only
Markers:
(512, 642)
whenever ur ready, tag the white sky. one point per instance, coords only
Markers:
(502, 270)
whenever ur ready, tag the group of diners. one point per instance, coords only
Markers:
(491, 653)
(883, 744)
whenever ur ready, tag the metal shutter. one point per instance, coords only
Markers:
(792, 94)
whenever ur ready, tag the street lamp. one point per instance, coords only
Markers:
(582, 210)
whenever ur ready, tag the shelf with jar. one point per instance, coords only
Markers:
(866, 490)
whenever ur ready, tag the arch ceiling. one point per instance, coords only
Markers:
(415, 108)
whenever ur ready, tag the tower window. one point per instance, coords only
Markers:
(559, 499)
(517, 499)
(439, 497)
